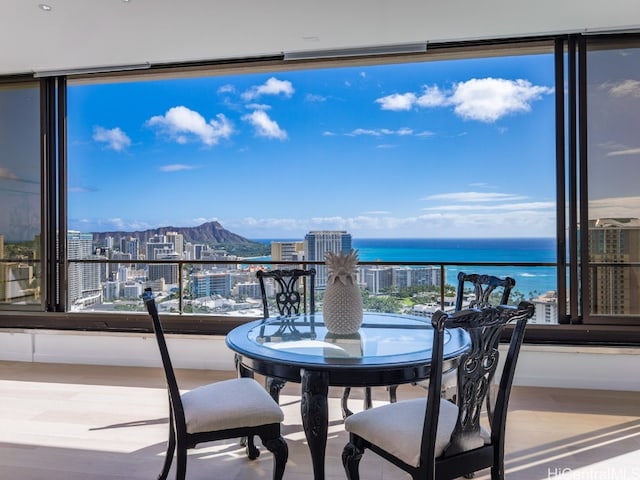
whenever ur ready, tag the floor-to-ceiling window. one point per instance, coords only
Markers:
(444, 157)
(20, 195)
(430, 159)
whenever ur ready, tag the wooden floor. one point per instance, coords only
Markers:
(70, 422)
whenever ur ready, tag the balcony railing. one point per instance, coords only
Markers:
(229, 287)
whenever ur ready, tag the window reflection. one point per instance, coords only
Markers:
(613, 89)
(20, 272)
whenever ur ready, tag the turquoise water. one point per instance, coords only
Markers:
(528, 279)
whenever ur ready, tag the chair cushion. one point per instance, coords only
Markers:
(397, 427)
(240, 402)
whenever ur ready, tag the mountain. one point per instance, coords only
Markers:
(209, 233)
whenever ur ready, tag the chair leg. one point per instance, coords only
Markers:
(368, 403)
(278, 447)
(351, 456)
(250, 447)
(393, 390)
(497, 472)
(181, 463)
(274, 385)
(345, 403)
(171, 448)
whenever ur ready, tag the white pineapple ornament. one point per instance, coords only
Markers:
(342, 306)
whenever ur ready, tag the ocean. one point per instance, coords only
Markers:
(434, 250)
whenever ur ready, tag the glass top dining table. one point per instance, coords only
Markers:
(388, 349)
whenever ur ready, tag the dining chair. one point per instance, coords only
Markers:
(222, 410)
(432, 438)
(484, 287)
(288, 297)
(288, 301)
(487, 289)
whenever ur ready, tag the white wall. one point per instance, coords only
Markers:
(610, 368)
(125, 349)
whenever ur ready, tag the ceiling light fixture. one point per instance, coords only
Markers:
(358, 51)
(44, 7)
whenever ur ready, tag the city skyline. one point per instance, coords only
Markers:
(430, 149)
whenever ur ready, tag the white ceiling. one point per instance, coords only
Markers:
(94, 33)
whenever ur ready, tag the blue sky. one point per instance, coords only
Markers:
(458, 148)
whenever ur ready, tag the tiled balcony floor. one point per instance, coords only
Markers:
(70, 422)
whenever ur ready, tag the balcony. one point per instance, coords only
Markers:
(72, 422)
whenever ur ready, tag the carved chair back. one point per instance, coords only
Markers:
(483, 286)
(476, 371)
(290, 294)
(451, 442)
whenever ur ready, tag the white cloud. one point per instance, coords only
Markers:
(625, 88)
(228, 88)
(264, 126)
(626, 151)
(273, 86)
(475, 197)
(176, 167)
(364, 131)
(425, 133)
(379, 132)
(6, 174)
(257, 106)
(534, 222)
(432, 97)
(312, 97)
(489, 99)
(397, 101)
(81, 189)
(184, 125)
(115, 138)
(482, 99)
(615, 207)
(496, 207)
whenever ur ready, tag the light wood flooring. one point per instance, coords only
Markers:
(78, 422)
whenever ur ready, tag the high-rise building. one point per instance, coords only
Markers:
(79, 247)
(16, 281)
(130, 245)
(287, 252)
(614, 289)
(248, 289)
(168, 271)
(158, 245)
(177, 239)
(546, 308)
(318, 243)
(427, 276)
(378, 279)
(204, 284)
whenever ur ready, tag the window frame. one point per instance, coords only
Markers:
(569, 55)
